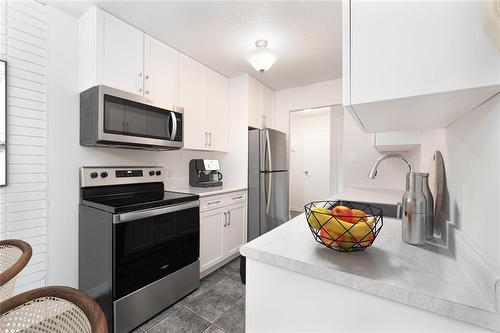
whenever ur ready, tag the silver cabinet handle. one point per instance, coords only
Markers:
(146, 84)
(213, 202)
(206, 139)
(238, 197)
(225, 219)
(229, 218)
(210, 136)
(140, 82)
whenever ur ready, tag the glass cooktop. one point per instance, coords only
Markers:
(126, 202)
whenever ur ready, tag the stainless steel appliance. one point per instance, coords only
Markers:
(138, 244)
(115, 118)
(417, 204)
(204, 173)
(267, 181)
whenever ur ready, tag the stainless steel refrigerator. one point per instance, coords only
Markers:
(267, 181)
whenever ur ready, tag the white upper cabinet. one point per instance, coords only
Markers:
(192, 96)
(217, 110)
(266, 106)
(260, 104)
(416, 65)
(204, 94)
(116, 54)
(161, 72)
(120, 52)
(254, 119)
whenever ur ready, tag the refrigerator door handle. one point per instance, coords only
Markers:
(268, 148)
(269, 189)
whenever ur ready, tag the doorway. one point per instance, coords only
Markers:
(310, 157)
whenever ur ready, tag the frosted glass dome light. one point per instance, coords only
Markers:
(262, 59)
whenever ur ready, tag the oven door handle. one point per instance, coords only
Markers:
(142, 214)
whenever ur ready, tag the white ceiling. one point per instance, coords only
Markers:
(306, 35)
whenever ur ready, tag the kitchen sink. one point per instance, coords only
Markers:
(387, 210)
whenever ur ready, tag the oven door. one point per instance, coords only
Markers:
(150, 244)
(125, 118)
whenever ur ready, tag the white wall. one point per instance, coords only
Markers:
(23, 205)
(315, 95)
(299, 126)
(359, 155)
(471, 154)
(65, 155)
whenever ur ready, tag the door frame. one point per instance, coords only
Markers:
(336, 137)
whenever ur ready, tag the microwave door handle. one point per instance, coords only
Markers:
(173, 119)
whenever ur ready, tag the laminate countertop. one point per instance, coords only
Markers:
(208, 191)
(426, 277)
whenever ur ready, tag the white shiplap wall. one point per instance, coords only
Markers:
(23, 206)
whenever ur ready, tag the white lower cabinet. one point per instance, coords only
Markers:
(212, 230)
(222, 228)
(235, 228)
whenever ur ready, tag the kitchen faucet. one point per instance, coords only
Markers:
(417, 204)
(373, 172)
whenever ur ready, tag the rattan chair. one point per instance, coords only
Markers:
(14, 256)
(52, 310)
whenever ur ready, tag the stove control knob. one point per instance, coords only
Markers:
(104, 174)
(151, 173)
(94, 175)
(158, 172)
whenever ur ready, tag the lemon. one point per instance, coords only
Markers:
(318, 217)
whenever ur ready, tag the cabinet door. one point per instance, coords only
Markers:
(211, 238)
(119, 54)
(192, 97)
(409, 48)
(254, 119)
(266, 106)
(236, 228)
(217, 107)
(161, 72)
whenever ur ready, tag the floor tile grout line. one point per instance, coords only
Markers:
(232, 306)
(197, 315)
(159, 321)
(223, 330)
(224, 292)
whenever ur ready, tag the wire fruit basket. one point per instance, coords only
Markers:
(344, 226)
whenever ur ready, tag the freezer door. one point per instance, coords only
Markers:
(273, 150)
(274, 209)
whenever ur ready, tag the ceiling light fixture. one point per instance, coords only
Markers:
(263, 58)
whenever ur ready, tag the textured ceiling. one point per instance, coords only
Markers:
(306, 35)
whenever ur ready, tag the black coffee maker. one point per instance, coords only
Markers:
(204, 173)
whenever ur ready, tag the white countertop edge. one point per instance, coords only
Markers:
(208, 191)
(462, 312)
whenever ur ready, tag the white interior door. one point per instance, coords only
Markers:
(316, 165)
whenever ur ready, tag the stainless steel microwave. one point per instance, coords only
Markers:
(115, 118)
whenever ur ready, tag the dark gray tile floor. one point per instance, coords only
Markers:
(218, 306)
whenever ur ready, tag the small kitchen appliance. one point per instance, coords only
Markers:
(204, 173)
(138, 244)
(114, 118)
